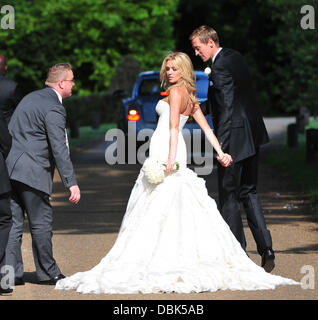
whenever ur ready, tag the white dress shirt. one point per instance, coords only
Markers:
(58, 95)
(216, 54)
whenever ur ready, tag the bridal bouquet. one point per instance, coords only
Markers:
(154, 170)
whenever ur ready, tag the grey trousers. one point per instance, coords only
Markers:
(36, 205)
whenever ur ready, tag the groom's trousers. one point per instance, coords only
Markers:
(237, 184)
(36, 205)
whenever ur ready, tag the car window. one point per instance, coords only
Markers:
(149, 87)
(202, 87)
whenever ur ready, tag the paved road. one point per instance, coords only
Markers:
(84, 233)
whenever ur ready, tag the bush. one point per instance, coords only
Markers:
(81, 108)
(87, 135)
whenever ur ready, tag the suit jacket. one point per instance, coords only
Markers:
(5, 145)
(238, 124)
(10, 96)
(39, 143)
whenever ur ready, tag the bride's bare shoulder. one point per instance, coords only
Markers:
(177, 92)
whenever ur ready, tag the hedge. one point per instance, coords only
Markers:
(81, 109)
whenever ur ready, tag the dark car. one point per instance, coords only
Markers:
(140, 107)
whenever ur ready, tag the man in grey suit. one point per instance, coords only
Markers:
(38, 146)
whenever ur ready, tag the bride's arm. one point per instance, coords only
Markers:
(175, 99)
(199, 117)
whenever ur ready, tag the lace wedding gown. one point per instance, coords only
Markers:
(172, 238)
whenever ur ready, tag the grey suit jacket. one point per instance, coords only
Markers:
(39, 143)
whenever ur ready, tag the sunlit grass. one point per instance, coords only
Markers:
(292, 163)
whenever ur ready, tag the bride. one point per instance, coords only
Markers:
(173, 238)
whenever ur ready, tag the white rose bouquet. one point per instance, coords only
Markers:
(154, 170)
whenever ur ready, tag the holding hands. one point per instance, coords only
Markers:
(225, 159)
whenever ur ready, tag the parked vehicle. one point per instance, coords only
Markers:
(140, 107)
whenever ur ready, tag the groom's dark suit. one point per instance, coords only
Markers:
(38, 145)
(240, 130)
(5, 188)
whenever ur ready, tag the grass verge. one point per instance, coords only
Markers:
(292, 163)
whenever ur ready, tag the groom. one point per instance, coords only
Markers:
(38, 146)
(241, 131)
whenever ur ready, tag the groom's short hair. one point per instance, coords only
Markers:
(204, 33)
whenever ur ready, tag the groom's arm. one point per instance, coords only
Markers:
(224, 86)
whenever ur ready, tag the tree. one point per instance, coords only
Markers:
(294, 80)
(283, 57)
(91, 35)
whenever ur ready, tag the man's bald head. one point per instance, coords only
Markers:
(3, 65)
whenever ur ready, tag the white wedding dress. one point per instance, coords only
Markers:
(172, 238)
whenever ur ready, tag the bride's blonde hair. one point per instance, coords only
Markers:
(184, 65)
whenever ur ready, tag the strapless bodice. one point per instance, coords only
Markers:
(163, 110)
(159, 145)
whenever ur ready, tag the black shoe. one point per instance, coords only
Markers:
(53, 280)
(268, 258)
(4, 291)
(19, 282)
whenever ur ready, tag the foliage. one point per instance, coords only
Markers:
(91, 35)
(81, 108)
(94, 35)
(283, 58)
(295, 77)
(87, 135)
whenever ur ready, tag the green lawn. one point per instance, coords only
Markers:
(313, 124)
(292, 163)
(87, 135)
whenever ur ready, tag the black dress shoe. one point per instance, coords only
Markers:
(19, 282)
(268, 258)
(5, 291)
(53, 280)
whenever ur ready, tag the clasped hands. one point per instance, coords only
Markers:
(225, 159)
